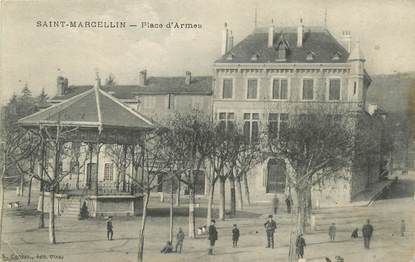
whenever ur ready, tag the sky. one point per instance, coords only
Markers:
(37, 55)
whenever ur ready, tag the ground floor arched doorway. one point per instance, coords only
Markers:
(276, 176)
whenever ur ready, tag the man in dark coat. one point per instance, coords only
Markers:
(235, 235)
(270, 227)
(213, 236)
(109, 228)
(299, 246)
(367, 232)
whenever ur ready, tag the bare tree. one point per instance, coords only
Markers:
(155, 164)
(226, 146)
(316, 147)
(189, 144)
(249, 156)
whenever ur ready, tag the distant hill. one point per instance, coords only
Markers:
(391, 92)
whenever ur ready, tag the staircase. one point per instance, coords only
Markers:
(70, 207)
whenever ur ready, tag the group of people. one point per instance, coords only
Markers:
(168, 247)
(276, 204)
(270, 227)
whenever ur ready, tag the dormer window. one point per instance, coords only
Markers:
(310, 56)
(255, 57)
(282, 49)
(336, 56)
(282, 54)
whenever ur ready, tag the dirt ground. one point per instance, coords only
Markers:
(85, 240)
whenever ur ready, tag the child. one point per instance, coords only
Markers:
(332, 231)
(168, 248)
(179, 239)
(109, 228)
(235, 235)
(355, 233)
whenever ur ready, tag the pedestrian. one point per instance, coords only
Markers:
(403, 228)
(235, 235)
(270, 227)
(367, 232)
(300, 245)
(332, 231)
(355, 233)
(179, 240)
(288, 202)
(109, 228)
(213, 236)
(168, 248)
(275, 204)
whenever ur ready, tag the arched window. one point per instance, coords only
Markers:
(276, 176)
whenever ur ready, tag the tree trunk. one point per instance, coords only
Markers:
(239, 197)
(42, 187)
(21, 184)
(29, 196)
(124, 168)
(292, 256)
(308, 206)
(52, 237)
(178, 193)
(171, 211)
(192, 220)
(210, 203)
(142, 229)
(42, 208)
(301, 212)
(78, 173)
(2, 188)
(248, 199)
(233, 195)
(222, 198)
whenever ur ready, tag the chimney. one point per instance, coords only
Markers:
(300, 33)
(347, 40)
(225, 38)
(142, 78)
(62, 85)
(188, 78)
(230, 41)
(98, 82)
(271, 34)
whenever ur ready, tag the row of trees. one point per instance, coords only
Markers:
(315, 148)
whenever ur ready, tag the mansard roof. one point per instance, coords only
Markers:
(316, 39)
(199, 85)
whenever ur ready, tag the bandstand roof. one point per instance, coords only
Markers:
(94, 112)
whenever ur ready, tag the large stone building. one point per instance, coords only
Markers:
(270, 75)
(275, 73)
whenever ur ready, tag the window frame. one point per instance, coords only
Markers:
(251, 120)
(302, 89)
(257, 88)
(111, 171)
(223, 87)
(278, 121)
(288, 88)
(328, 80)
